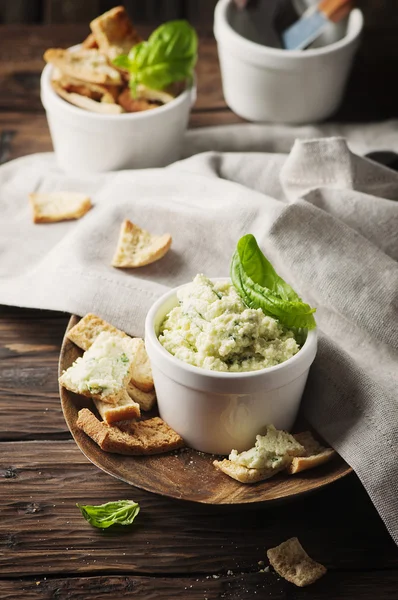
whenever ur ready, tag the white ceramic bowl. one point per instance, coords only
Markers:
(261, 83)
(215, 411)
(89, 142)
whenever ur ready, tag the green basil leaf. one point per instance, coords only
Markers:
(260, 270)
(123, 62)
(169, 55)
(122, 512)
(260, 286)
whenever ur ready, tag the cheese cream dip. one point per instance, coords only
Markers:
(212, 328)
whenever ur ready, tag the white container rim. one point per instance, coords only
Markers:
(51, 99)
(304, 355)
(223, 31)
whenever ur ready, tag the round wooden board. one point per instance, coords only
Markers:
(187, 474)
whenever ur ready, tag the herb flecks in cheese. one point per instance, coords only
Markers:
(212, 328)
(104, 368)
(272, 450)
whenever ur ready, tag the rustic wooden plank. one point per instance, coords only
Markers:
(27, 133)
(43, 533)
(29, 399)
(59, 11)
(19, 11)
(344, 585)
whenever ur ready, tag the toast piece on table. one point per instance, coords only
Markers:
(153, 436)
(291, 562)
(104, 370)
(58, 206)
(137, 247)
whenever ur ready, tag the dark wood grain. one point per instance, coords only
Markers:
(339, 585)
(42, 531)
(30, 342)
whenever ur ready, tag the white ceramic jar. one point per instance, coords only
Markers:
(87, 142)
(216, 411)
(261, 83)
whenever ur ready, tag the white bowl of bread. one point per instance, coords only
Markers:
(95, 123)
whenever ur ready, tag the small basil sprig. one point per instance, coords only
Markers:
(169, 55)
(259, 286)
(122, 512)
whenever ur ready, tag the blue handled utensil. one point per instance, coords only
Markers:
(313, 22)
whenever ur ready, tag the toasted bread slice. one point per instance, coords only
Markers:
(244, 474)
(153, 436)
(90, 42)
(271, 450)
(95, 91)
(114, 32)
(302, 463)
(154, 95)
(131, 104)
(291, 562)
(88, 329)
(104, 369)
(82, 101)
(141, 374)
(137, 247)
(315, 454)
(87, 65)
(125, 409)
(58, 206)
(146, 400)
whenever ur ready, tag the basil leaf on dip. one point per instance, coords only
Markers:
(259, 286)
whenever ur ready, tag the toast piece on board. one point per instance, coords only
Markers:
(104, 370)
(125, 409)
(314, 456)
(141, 374)
(244, 474)
(88, 329)
(153, 436)
(146, 400)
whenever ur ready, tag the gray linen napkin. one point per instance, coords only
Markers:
(326, 218)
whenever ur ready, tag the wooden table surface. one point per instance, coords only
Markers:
(175, 550)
